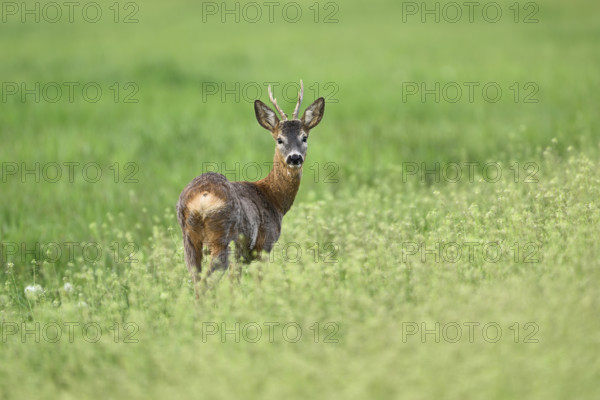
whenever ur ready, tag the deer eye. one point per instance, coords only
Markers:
(304, 139)
(279, 141)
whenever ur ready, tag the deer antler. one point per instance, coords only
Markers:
(274, 101)
(300, 94)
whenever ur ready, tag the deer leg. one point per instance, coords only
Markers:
(242, 249)
(220, 257)
(220, 261)
(193, 260)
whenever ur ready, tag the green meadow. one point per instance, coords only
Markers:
(443, 243)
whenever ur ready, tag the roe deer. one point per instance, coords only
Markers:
(213, 211)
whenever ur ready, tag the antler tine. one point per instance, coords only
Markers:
(300, 94)
(274, 101)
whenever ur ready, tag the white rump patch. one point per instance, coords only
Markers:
(204, 203)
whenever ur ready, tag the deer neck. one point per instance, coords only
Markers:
(281, 185)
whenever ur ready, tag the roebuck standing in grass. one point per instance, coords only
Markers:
(213, 211)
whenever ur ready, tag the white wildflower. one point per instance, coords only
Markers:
(33, 291)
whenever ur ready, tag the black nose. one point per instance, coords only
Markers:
(294, 159)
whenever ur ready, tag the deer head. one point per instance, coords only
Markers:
(291, 135)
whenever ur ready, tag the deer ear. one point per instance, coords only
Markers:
(265, 116)
(314, 113)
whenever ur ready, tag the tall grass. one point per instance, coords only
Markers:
(393, 276)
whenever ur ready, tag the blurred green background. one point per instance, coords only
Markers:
(177, 83)
(365, 58)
